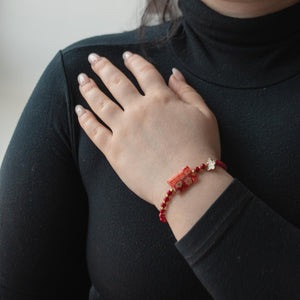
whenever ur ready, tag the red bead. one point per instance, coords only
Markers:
(169, 193)
(197, 169)
(163, 205)
(203, 166)
(221, 164)
(166, 199)
(162, 217)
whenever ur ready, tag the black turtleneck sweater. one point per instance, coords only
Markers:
(70, 228)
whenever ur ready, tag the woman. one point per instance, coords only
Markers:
(81, 195)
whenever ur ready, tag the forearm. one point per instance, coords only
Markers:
(185, 210)
(236, 245)
(242, 249)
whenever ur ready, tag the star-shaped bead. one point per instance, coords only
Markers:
(211, 164)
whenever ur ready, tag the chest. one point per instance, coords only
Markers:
(260, 140)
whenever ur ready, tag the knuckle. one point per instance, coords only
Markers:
(145, 68)
(186, 89)
(100, 105)
(116, 79)
(137, 61)
(141, 113)
(134, 59)
(85, 119)
(94, 131)
(88, 87)
(141, 109)
(161, 95)
(93, 98)
(101, 65)
(210, 115)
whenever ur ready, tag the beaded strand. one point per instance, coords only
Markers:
(179, 186)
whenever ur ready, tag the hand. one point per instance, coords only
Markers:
(156, 134)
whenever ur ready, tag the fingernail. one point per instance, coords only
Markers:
(79, 110)
(93, 58)
(82, 79)
(126, 54)
(178, 75)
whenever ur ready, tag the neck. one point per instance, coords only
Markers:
(238, 52)
(248, 8)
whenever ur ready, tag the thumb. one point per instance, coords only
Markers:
(185, 92)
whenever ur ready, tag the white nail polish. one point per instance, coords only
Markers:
(79, 110)
(126, 54)
(93, 58)
(82, 79)
(178, 74)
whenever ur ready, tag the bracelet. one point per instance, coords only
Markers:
(183, 180)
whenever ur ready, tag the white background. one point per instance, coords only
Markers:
(31, 33)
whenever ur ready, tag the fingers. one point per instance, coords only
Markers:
(116, 81)
(98, 133)
(103, 106)
(145, 73)
(185, 92)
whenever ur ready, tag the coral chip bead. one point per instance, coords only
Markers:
(183, 180)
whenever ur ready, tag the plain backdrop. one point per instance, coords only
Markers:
(31, 33)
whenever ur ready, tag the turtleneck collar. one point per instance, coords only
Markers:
(238, 52)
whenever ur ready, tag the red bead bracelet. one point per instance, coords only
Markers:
(181, 181)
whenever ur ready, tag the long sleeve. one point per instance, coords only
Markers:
(43, 205)
(242, 249)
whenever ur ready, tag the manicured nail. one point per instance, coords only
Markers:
(126, 54)
(93, 58)
(79, 110)
(178, 75)
(82, 79)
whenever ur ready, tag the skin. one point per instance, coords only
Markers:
(155, 135)
(162, 131)
(248, 8)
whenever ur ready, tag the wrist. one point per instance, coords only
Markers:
(184, 210)
(167, 188)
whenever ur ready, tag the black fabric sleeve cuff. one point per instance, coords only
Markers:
(212, 225)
